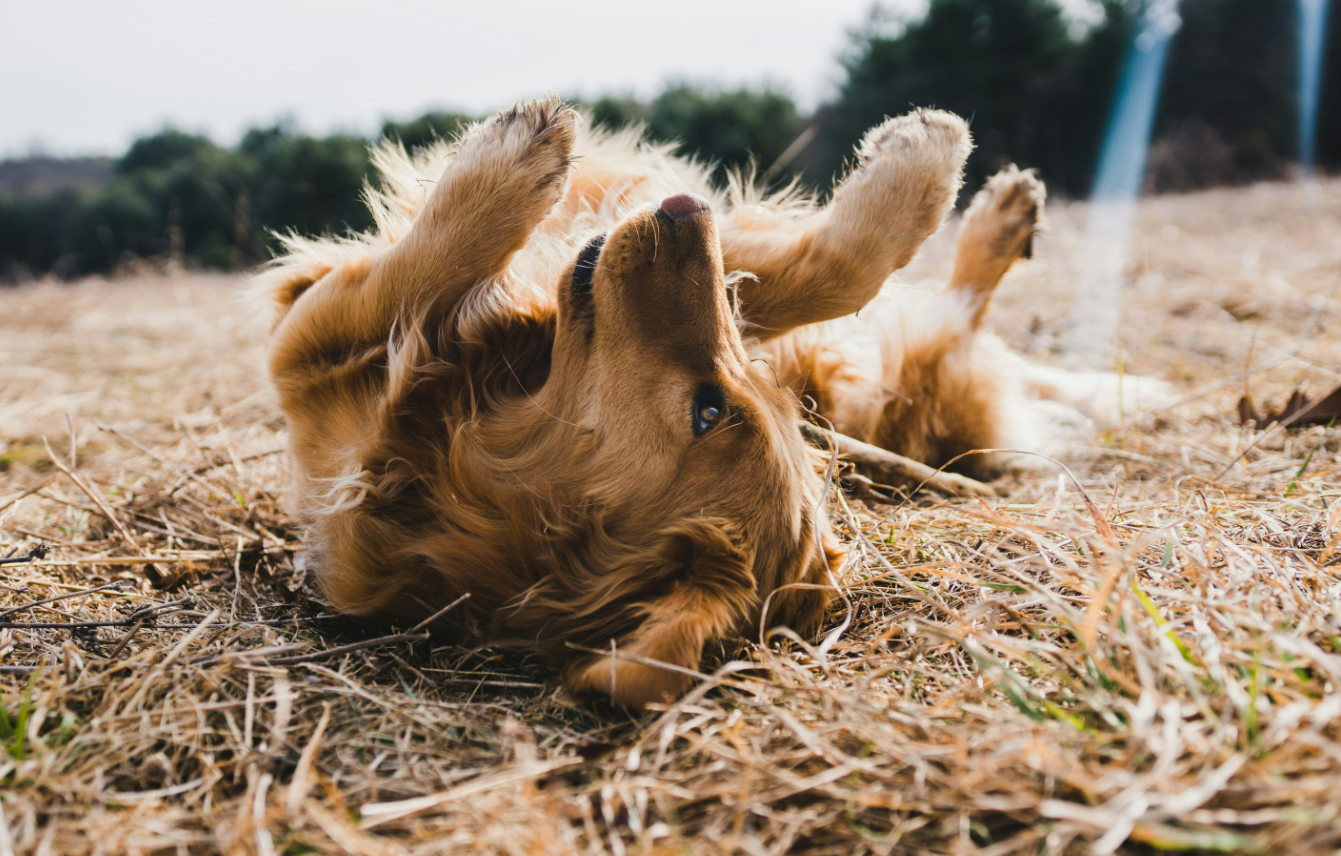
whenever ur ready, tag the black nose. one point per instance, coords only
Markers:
(683, 205)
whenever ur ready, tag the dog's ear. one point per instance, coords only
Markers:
(711, 591)
(279, 287)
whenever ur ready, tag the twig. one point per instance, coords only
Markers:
(440, 613)
(892, 467)
(346, 649)
(181, 556)
(125, 640)
(117, 584)
(38, 552)
(248, 653)
(27, 493)
(144, 613)
(242, 460)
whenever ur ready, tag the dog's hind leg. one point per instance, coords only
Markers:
(998, 229)
(953, 391)
(833, 262)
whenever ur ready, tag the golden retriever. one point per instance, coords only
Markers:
(561, 377)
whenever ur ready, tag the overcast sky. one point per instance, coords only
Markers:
(87, 76)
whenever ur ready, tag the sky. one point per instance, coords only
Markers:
(88, 76)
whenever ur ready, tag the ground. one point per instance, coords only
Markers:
(1147, 660)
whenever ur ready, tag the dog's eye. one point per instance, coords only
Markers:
(708, 409)
(586, 265)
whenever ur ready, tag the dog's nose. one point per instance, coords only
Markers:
(683, 205)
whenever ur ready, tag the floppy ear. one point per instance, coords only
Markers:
(286, 280)
(714, 591)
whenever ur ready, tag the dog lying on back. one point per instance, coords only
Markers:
(561, 378)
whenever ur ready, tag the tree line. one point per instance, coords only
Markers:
(1036, 84)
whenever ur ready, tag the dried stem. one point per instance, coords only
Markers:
(892, 468)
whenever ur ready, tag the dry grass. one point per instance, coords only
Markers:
(1160, 670)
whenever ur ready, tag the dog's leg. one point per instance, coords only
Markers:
(505, 177)
(951, 394)
(834, 262)
(999, 227)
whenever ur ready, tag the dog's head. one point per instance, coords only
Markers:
(687, 452)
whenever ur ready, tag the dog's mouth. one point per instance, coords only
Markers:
(584, 272)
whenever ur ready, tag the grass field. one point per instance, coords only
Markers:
(1147, 660)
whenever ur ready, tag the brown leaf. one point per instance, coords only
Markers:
(1298, 410)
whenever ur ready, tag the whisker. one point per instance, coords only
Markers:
(527, 393)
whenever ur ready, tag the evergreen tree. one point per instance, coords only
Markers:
(426, 129)
(1035, 91)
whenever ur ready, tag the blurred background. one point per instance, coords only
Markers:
(184, 133)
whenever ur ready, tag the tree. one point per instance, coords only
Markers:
(311, 184)
(615, 112)
(163, 149)
(1228, 111)
(428, 128)
(730, 128)
(727, 128)
(1036, 92)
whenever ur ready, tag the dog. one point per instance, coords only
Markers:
(562, 377)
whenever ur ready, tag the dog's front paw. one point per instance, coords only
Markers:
(530, 144)
(917, 160)
(938, 138)
(505, 176)
(908, 174)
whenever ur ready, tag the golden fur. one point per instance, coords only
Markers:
(470, 414)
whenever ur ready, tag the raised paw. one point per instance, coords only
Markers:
(832, 262)
(505, 177)
(532, 142)
(908, 174)
(1006, 214)
(999, 227)
(937, 139)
